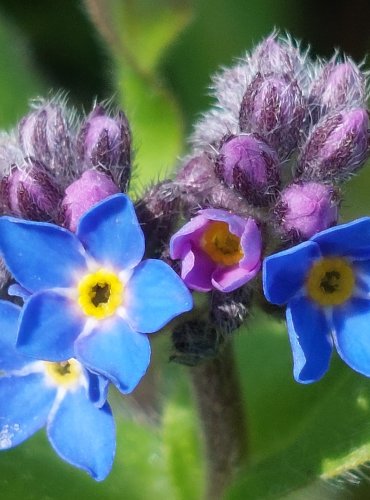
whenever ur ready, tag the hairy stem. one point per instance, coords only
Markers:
(217, 391)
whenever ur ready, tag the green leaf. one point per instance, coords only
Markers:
(298, 433)
(139, 32)
(19, 81)
(33, 471)
(182, 451)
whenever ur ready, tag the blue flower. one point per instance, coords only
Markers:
(92, 297)
(59, 395)
(325, 283)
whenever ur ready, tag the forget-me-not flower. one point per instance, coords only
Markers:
(92, 297)
(218, 250)
(325, 283)
(60, 396)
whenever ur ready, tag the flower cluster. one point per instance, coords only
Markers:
(89, 300)
(286, 131)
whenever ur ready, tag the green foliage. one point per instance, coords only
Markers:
(19, 80)
(298, 433)
(138, 34)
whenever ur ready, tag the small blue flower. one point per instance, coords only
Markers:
(91, 296)
(325, 283)
(59, 395)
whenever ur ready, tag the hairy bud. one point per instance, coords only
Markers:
(248, 164)
(336, 147)
(274, 107)
(82, 194)
(45, 136)
(104, 143)
(304, 209)
(277, 56)
(30, 192)
(156, 211)
(196, 179)
(338, 86)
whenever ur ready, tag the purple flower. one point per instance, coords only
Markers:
(92, 297)
(93, 186)
(60, 396)
(304, 209)
(218, 250)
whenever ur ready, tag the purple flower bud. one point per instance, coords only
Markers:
(336, 147)
(195, 179)
(279, 57)
(274, 107)
(218, 250)
(304, 209)
(30, 192)
(104, 143)
(82, 194)
(251, 166)
(338, 86)
(45, 136)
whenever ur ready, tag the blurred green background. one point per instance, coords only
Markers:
(157, 64)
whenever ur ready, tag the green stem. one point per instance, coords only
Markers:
(221, 411)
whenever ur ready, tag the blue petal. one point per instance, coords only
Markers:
(49, 325)
(284, 273)
(10, 358)
(117, 352)
(98, 388)
(83, 434)
(25, 403)
(40, 255)
(352, 239)
(111, 233)
(310, 340)
(352, 334)
(16, 290)
(362, 272)
(154, 295)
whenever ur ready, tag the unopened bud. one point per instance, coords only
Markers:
(82, 194)
(336, 147)
(277, 56)
(156, 212)
(45, 136)
(104, 143)
(195, 180)
(248, 164)
(274, 108)
(30, 192)
(338, 86)
(304, 209)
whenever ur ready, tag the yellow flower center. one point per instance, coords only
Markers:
(100, 294)
(65, 373)
(221, 245)
(330, 281)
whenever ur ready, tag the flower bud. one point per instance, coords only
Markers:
(104, 143)
(156, 212)
(304, 209)
(195, 179)
(30, 192)
(338, 86)
(45, 136)
(336, 147)
(82, 194)
(246, 163)
(274, 107)
(276, 56)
